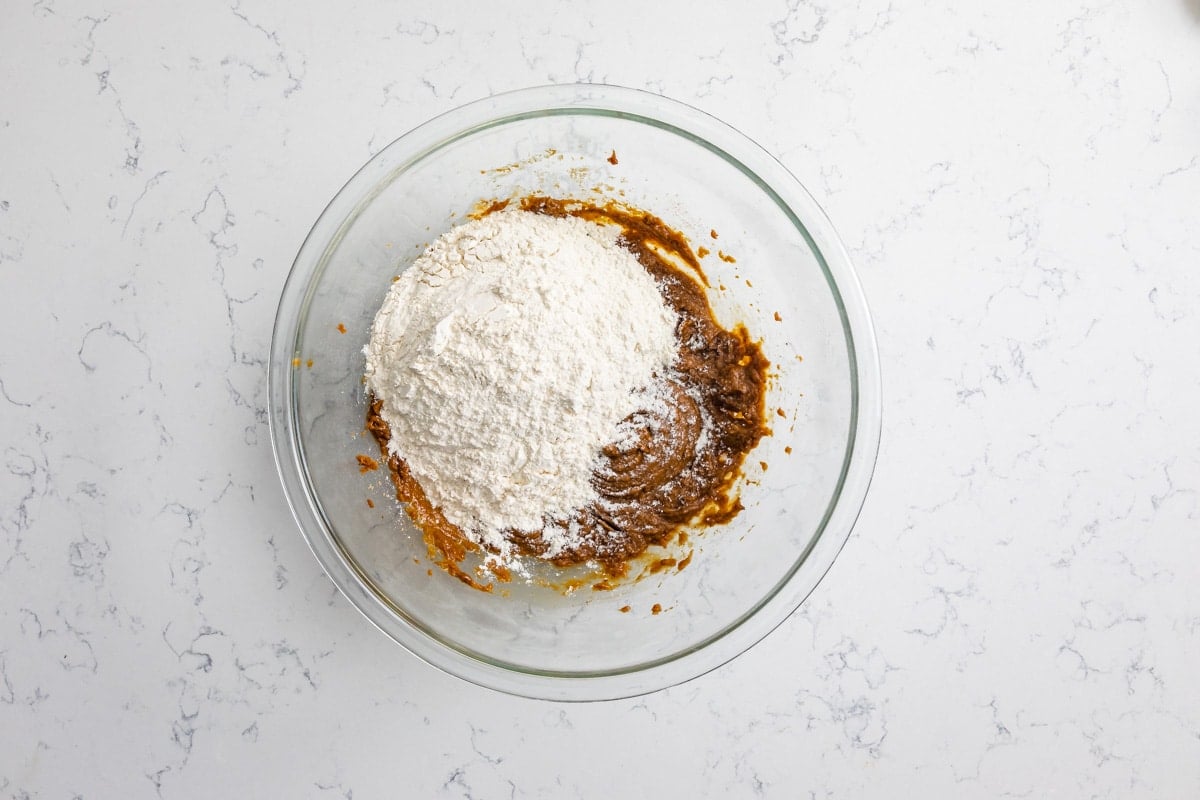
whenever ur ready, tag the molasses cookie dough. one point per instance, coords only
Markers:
(670, 463)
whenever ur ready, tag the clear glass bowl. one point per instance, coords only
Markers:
(792, 285)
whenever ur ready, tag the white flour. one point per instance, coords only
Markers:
(505, 358)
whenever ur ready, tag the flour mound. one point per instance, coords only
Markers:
(506, 356)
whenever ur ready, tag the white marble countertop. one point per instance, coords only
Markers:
(1018, 611)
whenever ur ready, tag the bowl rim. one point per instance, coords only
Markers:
(805, 214)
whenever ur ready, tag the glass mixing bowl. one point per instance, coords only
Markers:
(791, 284)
